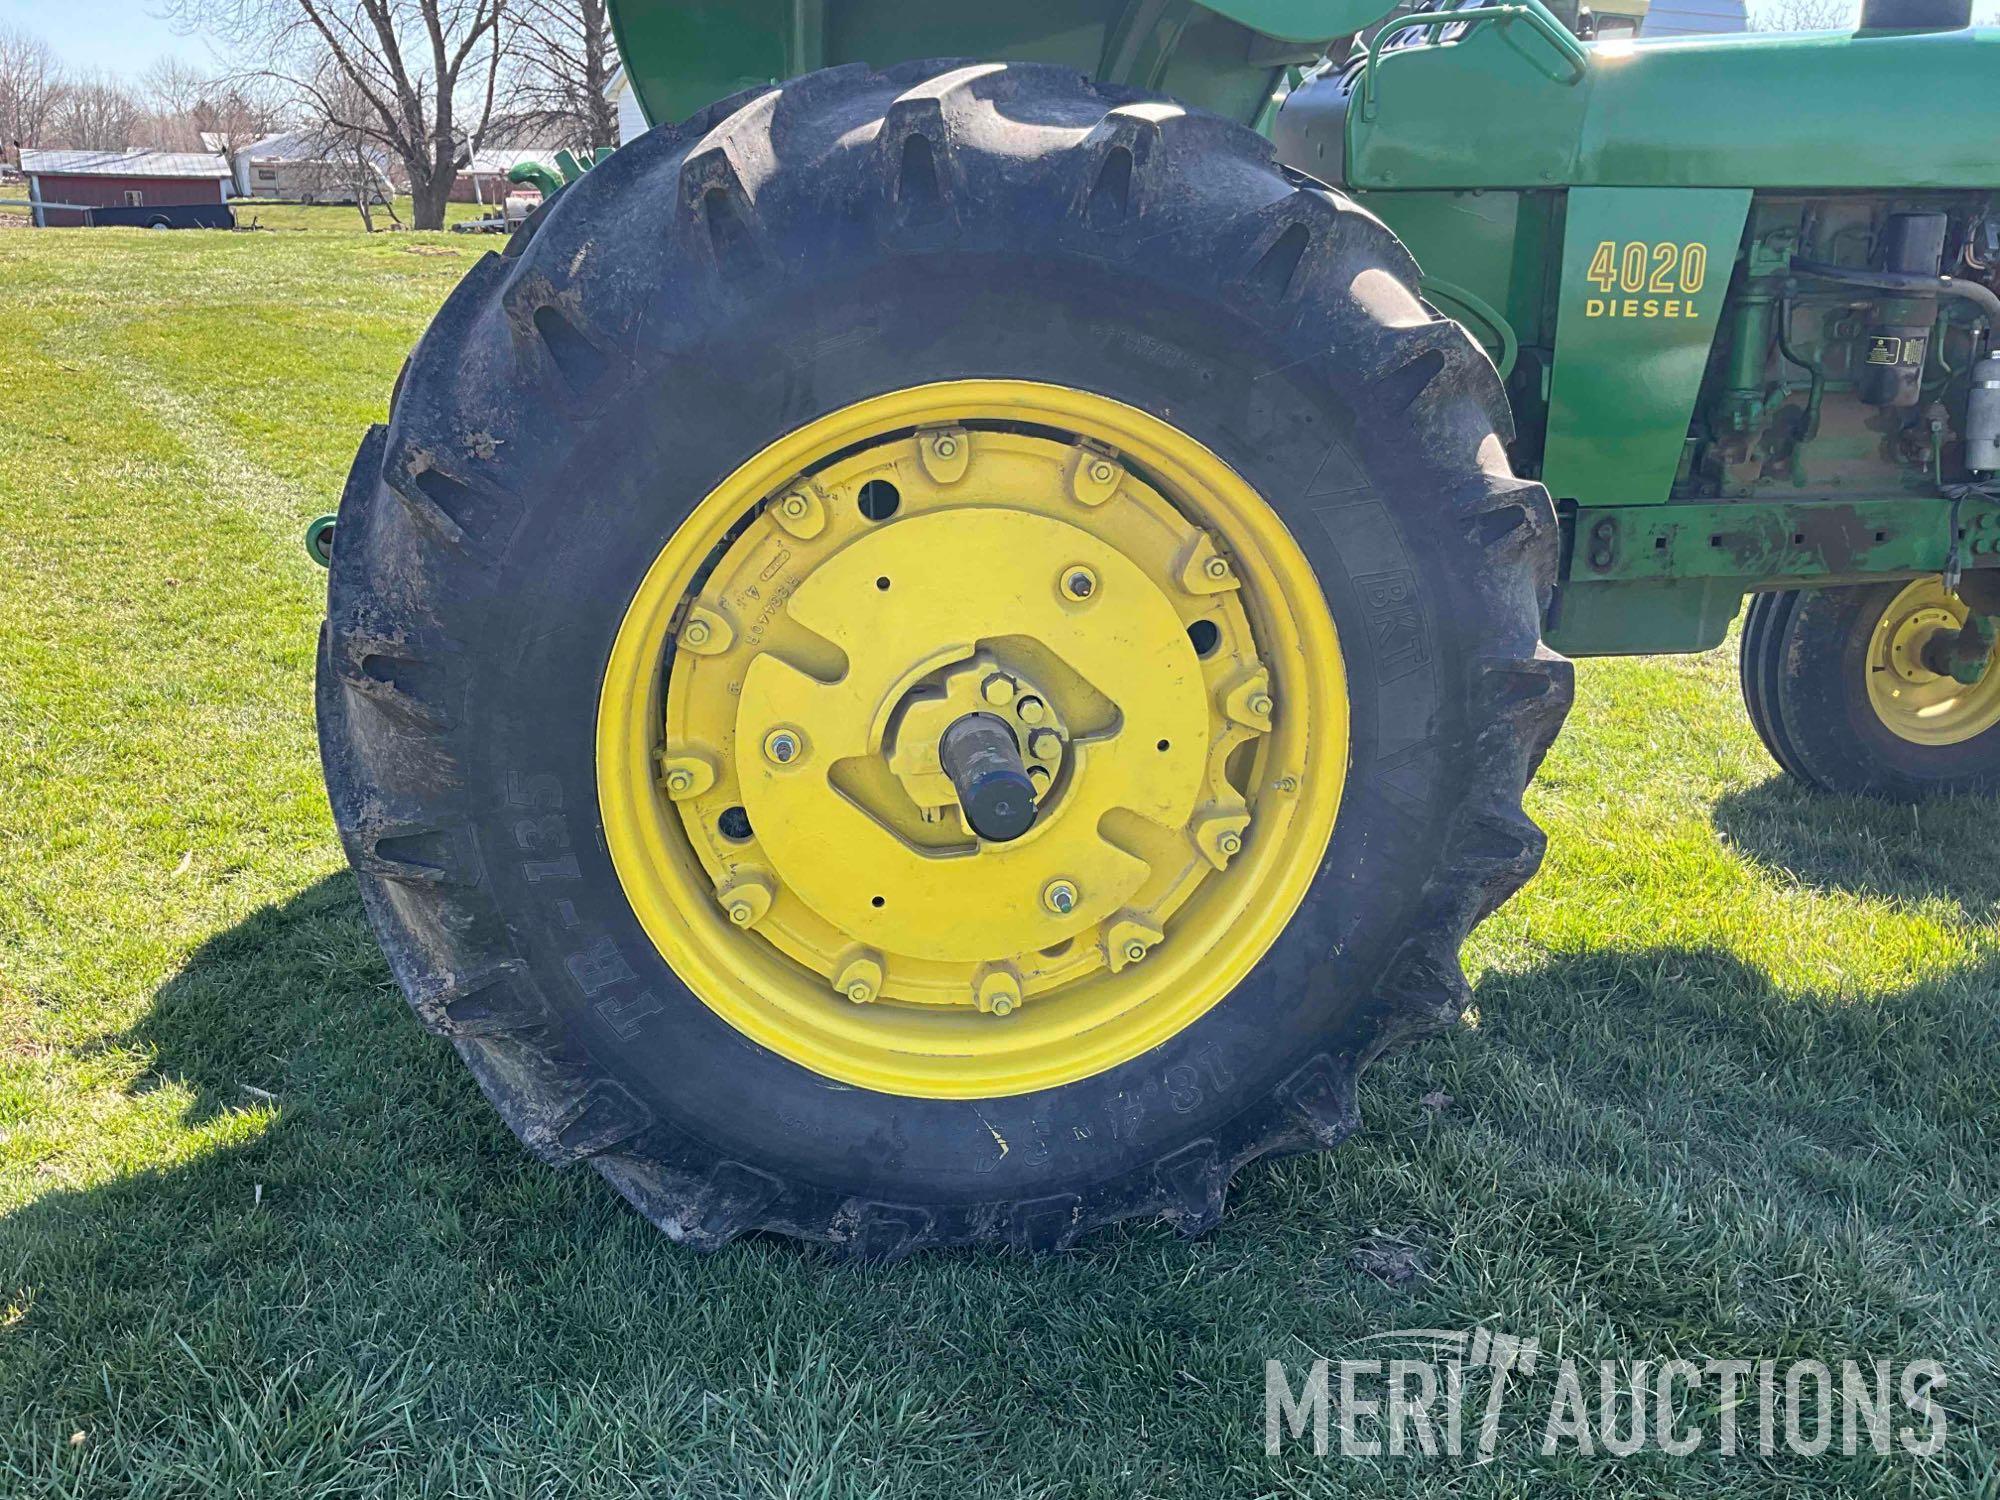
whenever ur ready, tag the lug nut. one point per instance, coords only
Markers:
(1059, 896)
(1079, 583)
(1030, 710)
(1260, 703)
(782, 746)
(998, 690)
(1134, 952)
(1230, 843)
(741, 913)
(947, 447)
(680, 781)
(1217, 567)
(1102, 472)
(1045, 744)
(795, 506)
(695, 632)
(1038, 777)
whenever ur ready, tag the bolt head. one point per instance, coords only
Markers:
(680, 781)
(860, 992)
(1134, 952)
(1102, 472)
(741, 913)
(1045, 744)
(947, 447)
(997, 690)
(1217, 567)
(1229, 843)
(795, 506)
(1260, 703)
(1003, 1005)
(695, 632)
(1030, 710)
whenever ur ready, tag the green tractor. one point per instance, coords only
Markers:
(942, 650)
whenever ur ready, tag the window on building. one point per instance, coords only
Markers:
(134, 198)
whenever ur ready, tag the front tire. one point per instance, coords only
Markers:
(1837, 688)
(598, 430)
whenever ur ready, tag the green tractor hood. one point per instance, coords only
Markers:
(1503, 106)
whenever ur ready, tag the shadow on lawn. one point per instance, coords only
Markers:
(295, 1003)
(1942, 850)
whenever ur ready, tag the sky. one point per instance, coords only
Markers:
(118, 36)
(128, 36)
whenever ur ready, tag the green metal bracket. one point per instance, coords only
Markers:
(1760, 543)
(319, 541)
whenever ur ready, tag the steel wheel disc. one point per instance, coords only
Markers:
(1084, 575)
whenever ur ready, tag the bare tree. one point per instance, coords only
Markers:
(1804, 15)
(566, 57)
(30, 83)
(425, 74)
(95, 112)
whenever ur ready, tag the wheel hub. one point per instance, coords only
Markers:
(991, 600)
(1915, 700)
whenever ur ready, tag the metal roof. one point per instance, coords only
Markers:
(134, 161)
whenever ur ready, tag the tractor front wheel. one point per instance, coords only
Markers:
(1885, 689)
(937, 656)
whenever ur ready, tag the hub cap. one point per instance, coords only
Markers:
(962, 595)
(1916, 703)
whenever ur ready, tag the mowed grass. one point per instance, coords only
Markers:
(339, 218)
(1729, 1089)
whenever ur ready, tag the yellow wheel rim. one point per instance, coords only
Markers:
(1099, 582)
(1916, 703)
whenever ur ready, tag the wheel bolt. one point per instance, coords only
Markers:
(1038, 776)
(1059, 896)
(860, 992)
(680, 781)
(1260, 703)
(695, 632)
(781, 746)
(998, 690)
(741, 912)
(1229, 843)
(795, 506)
(1003, 1005)
(1102, 472)
(1045, 744)
(1079, 583)
(1134, 952)
(1217, 567)
(947, 447)
(1030, 710)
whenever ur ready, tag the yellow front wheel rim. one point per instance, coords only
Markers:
(1914, 702)
(1081, 572)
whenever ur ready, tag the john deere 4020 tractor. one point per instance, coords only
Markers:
(941, 651)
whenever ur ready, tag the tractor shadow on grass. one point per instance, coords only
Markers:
(381, 1246)
(1939, 851)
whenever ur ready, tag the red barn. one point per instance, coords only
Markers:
(135, 179)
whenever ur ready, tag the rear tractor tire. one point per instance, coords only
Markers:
(1849, 691)
(937, 656)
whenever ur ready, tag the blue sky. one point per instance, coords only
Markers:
(121, 36)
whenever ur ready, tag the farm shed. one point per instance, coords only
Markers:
(132, 179)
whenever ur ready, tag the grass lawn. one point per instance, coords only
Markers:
(1729, 1090)
(339, 218)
